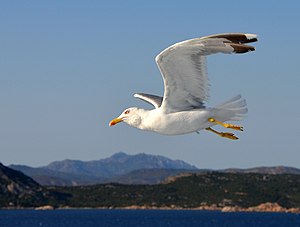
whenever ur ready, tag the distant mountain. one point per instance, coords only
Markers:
(74, 172)
(150, 176)
(50, 177)
(118, 164)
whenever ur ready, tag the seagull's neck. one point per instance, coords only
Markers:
(149, 118)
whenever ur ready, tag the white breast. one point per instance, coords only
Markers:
(176, 123)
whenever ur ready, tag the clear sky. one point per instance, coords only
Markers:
(68, 67)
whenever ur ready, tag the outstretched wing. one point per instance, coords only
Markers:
(183, 68)
(152, 99)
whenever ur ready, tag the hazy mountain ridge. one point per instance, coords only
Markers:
(118, 164)
(149, 176)
(50, 177)
(126, 169)
(75, 172)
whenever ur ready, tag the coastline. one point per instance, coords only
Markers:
(264, 207)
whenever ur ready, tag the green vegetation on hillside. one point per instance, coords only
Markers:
(186, 191)
(222, 189)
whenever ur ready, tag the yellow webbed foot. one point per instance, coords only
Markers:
(234, 127)
(223, 134)
(228, 135)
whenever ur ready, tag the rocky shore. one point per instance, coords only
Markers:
(264, 207)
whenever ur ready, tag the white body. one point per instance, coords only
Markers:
(177, 123)
(183, 122)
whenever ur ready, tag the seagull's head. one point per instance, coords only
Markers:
(131, 116)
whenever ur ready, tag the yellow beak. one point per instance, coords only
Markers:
(115, 121)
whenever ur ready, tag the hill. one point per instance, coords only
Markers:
(265, 170)
(18, 190)
(208, 190)
(193, 190)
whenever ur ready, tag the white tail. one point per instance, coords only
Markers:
(234, 109)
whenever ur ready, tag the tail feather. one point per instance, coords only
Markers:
(234, 109)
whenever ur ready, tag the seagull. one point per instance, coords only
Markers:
(183, 109)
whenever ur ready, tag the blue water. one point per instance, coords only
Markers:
(144, 218)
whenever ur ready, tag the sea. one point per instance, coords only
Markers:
(143, 218)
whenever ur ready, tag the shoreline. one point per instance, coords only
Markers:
(264, 207)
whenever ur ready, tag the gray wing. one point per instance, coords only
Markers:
(152, 99)
(183, 68)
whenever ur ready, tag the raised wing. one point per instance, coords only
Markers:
(183, 68)
(152, 99)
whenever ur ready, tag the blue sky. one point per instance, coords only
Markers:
(68, 67)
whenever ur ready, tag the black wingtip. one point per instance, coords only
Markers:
(237, 37)
(241, 48)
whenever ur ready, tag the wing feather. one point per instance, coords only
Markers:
(152, 99)
(183, 68)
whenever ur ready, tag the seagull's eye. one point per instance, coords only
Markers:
(127, 112)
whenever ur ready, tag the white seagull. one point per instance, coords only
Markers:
(182, 109)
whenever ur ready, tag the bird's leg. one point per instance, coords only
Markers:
(235, 127)
(223, 134)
